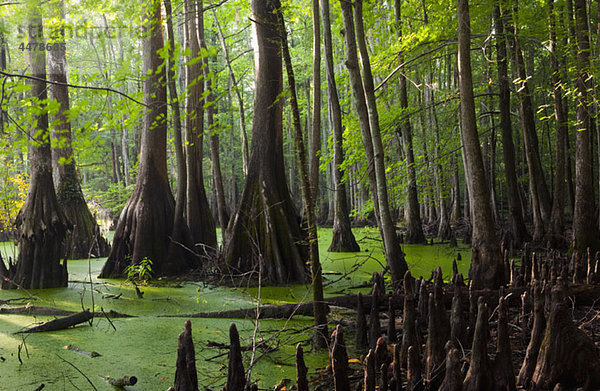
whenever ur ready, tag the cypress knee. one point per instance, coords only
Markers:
(186, 377)
(236, 377)
(479, 376)
(567, 355)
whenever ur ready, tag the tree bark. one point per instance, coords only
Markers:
(360, 103)
(236, 377)
(234, 84)
(585, 229)
(480, 376)
(370, 127)
(197, 212)
(540, 198)
(186, 377)
(518, 229)
(558, 198)
(84, 239)
(146, 223)
(486, 268)
(320, 312)
(414, 226)
(41, 222)
(265, 227)
(181, 233)
(567, 355)
(60, 323)
(342, 237)
(209, 103)
(315, 146)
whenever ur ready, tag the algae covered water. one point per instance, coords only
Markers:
(145, 345)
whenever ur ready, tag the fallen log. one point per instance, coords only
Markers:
(60, 323)
(282, 311)
(582, 294)
(50, 311)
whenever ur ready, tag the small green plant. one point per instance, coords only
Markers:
(140, 272)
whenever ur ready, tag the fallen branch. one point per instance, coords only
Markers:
(49, 311)
(60, 323)
(582, 294)
(266, 312)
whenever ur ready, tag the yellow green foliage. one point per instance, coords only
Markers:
(13, 191)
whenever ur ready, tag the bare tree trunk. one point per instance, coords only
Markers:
(315, 146)
(84, 239)
(361, 89)
(210, 122)
(146, 223)
(558, 198)
(181, 233)
(320, 311)
(414, 226)
(265, 227)
(41, 222)
(585, 229)
(197, 212)
(342, 238)
(444, 231)
(540, 198)
(232, 85)
(455, 214)
(486, 263)
(361, 106)
(518, 229)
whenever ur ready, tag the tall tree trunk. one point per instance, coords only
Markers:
(585, 229)
(540, 197)
(455, 214)
(41, 222)
(197, 212)
(315, 146)
(486, 263)
(232, 85)
(370, 123)
(414, 226)
(146, 223)
(222, 211)
(319, 308)
(181, 232)
(361, 106)
(264, 235)
(84, 239)
(558, 198)
(444, 231)
(515, 212)
(342, 239)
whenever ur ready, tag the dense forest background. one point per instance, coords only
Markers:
(103, 50)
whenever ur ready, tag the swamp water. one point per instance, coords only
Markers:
(146, 346)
